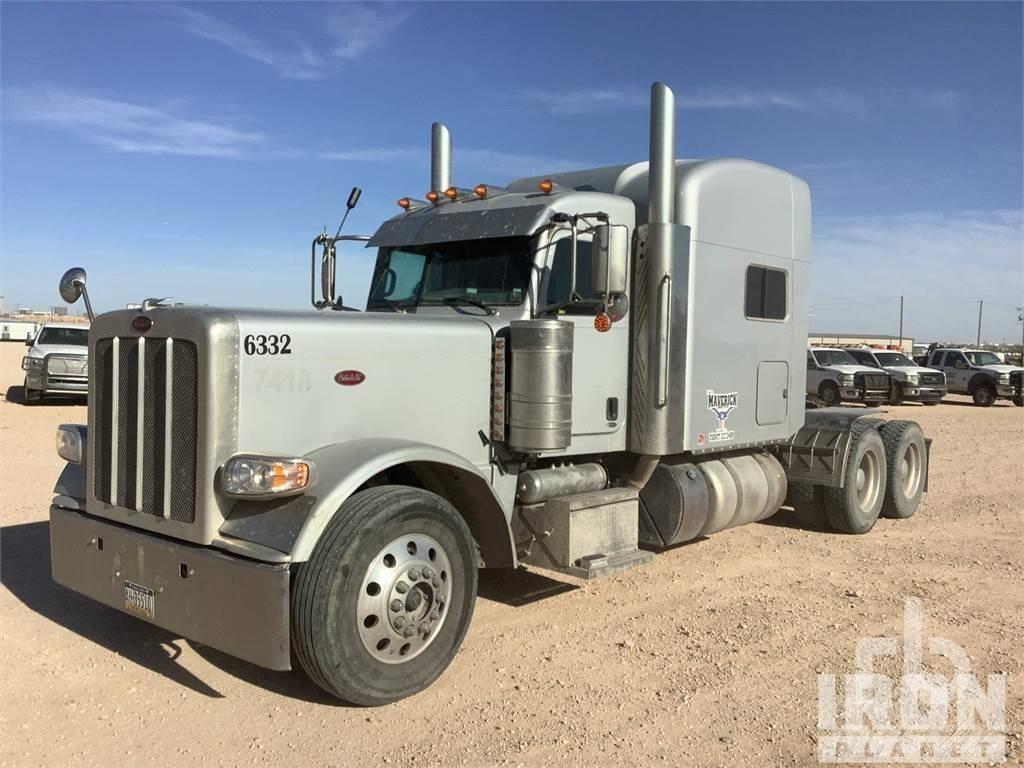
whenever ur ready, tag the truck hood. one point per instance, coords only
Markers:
(42, 350)
(999, 370)
(848, 369)
(904, 369)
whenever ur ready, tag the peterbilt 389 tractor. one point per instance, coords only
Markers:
(570, 372)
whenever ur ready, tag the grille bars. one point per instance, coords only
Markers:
(168, 411)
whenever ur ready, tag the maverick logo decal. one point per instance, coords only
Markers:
(722, 405)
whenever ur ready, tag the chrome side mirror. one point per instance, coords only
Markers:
(72, 286)
(611, 260)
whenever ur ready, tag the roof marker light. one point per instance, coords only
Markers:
(404, 203)
(433, 197)
(480, 190)
(451, 193)
(546, 186)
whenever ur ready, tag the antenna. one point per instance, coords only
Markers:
(353, 198)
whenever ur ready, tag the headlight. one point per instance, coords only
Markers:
(912, 378)
(1004, 377)
(71, 442)
(847, 379)
(265, 476)
(31, 363)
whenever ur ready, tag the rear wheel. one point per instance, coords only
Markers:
(829, 393)
(984, 395)
(383, 604)
(855, 507)
(906, 468)
(808, 504)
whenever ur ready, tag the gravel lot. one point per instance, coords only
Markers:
(707, 656)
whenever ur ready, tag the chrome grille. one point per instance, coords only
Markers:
(67, 365)
(144, 446)
(932, 379)
(872, 381)
(1017, 380)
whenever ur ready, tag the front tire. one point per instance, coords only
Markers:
(829, 394)
(896, 394)
(1019, 402)
(855, 507)
(381, 607)
(906, 468)
(31, 396)
(984, 395)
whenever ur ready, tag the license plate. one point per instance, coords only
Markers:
(139, 600)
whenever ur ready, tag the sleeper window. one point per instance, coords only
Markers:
(765, 294)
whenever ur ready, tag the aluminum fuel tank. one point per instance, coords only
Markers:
(540, 394)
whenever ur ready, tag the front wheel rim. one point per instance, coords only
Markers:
(404, 598)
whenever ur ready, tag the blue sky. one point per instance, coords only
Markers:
(194, 150)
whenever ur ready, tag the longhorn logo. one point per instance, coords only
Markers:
(722, 405)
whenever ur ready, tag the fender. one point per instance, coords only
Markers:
(978, 379)
(343, 467)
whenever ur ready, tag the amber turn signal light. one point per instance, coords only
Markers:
(602, 323)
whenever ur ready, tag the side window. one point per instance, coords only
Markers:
(864, 358)
(937, 359)
(400, 281)
(560, 274)
(810, 361)
(765, 297)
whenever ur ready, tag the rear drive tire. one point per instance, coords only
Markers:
(984, 395)
(855, 507)
(808, 502)
(896, 394)
(368, 625)
(829, 394)
(906, 468)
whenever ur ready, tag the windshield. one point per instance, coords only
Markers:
(983, 358)
(495, 271)
(78, 337)
(833, 357)
(893, 358)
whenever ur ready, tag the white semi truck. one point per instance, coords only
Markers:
(570, 372)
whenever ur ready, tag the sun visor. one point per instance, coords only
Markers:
(436, 225)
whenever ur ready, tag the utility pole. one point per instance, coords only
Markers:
(1020, 319)
(901, 322)
(981, 305)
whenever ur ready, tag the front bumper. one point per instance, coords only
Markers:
(233, 604)
(875, 396)
(924, 394)
(1007, 390)
(53, 383)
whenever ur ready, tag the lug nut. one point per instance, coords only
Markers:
(434, 615)
(396, 605)
(435, 581)
(426, 573)
(400, 621)
(424, 627)
(413, 574)
(401, 587)
(409, 631)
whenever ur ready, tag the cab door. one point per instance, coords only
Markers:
(599, 362)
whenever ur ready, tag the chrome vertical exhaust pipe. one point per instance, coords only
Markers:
(661, 179)
(440, 158)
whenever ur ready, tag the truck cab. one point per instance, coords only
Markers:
(909, 381)
(835, 376)
(978, 373)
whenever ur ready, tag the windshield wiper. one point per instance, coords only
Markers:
(453, 300)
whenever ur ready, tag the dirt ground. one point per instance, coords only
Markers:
(707, 656)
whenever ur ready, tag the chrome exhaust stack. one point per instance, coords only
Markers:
(661, 178)
(440, 158)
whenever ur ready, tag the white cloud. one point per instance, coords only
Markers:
(352, 29)
(124, 126)
(587, 100)
(356, 28)
(486, 161)
(941, 263)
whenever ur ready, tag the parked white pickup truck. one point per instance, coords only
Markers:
(57, 362)
(834, 376)
(980, 374)
(910, 381)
